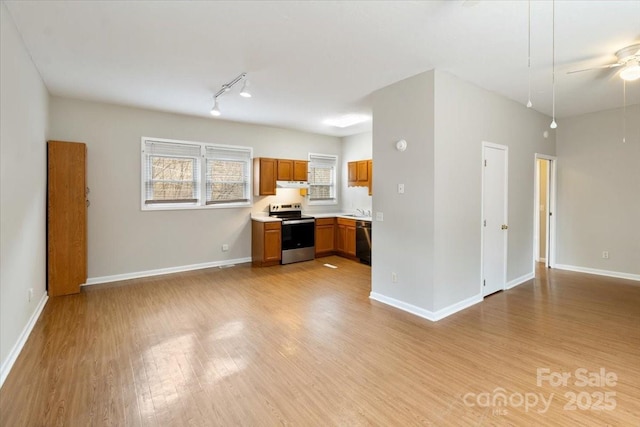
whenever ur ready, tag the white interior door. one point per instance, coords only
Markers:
(494, 218)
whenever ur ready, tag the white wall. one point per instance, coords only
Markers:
(23, 166)
(599, 191)
(431, 235)
(355, 147)
(466, 115)
(123, 239)
(403, 242)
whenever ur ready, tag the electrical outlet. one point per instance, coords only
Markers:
(30, 294)
(379, 216)
(605, 254)
(394, 277)
(225, 247)
(400, 188)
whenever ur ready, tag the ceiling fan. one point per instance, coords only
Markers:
(628, 57)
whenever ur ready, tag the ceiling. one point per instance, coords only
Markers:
(311, 60)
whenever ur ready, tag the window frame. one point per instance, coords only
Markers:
(200, 180)
(325, 202)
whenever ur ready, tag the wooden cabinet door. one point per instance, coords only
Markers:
(272, 244)
(350, 241)
(363, 173)
(264, 176)
(370, 169)
(285, 170)
(325, 236)
(300, 170)
(66, 217)
(341, 237)
(353, 172)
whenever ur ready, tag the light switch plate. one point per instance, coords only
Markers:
(401, 188)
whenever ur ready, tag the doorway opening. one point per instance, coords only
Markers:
(544, 211)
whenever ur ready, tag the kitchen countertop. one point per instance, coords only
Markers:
(266, 218)
(340, 215)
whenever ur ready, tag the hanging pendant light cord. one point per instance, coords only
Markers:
(624, 111)
(529, 53)
(553, 60)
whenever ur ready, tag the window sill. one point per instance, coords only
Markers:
(182, 207)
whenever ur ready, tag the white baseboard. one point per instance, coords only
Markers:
(541, 260)
(421, 312)
(616, 274)
(459, 306)
(17, 348)
(519, 280)
(160, 271)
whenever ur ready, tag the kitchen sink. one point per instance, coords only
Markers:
(360, 217)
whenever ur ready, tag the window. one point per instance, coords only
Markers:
(322, 179)
(183, 175)
(227, 175)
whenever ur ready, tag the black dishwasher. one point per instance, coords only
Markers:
(363, 241)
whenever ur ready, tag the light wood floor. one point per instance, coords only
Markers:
(303, 345)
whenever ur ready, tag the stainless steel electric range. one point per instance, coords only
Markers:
(298, 232)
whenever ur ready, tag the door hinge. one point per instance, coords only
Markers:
(485, 162)
(484, 283)
(485, 222)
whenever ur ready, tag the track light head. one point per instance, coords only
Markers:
(215, 111)
(245, 90)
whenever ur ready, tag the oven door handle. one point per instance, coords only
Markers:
(298, 221)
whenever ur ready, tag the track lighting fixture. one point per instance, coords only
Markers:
(245, 90)
(215, 111)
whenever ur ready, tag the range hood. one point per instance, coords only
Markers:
(292, 184)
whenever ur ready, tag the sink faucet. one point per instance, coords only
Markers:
(368, 213)
(361, 211)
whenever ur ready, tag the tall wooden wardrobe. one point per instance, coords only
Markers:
(66, 217)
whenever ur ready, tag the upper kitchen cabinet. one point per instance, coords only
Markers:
(360, 174)
(264, 176)
(292, 170)
(267, 171)
(370, 173)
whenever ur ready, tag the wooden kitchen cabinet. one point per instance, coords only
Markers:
(266, 243)
(66, 217)
(292, 170)
(325, 236)
(264, 176)
(360, 173)
(370, 171)
(267, 171)
(346, 237)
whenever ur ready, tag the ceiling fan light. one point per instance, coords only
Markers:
(631, 72)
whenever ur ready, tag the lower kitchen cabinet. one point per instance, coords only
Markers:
(346, 237)
(266, 243)
(325, 236)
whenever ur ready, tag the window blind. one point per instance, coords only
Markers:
(322, 177)
(171, 172)
(227, 174)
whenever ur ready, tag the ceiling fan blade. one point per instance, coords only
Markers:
(617, 64)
